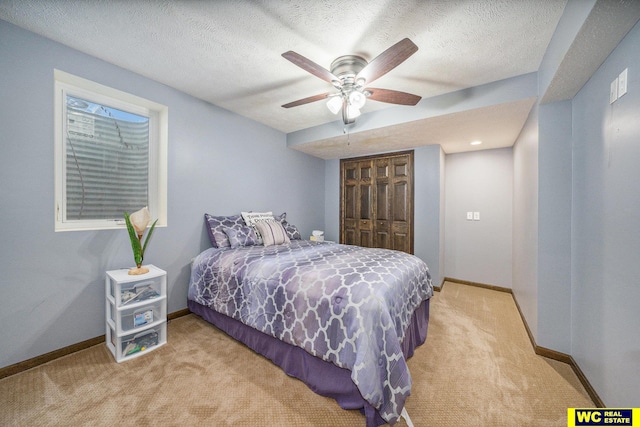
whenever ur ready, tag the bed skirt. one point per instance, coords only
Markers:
(324, 378)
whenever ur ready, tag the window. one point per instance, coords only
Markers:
(110, 155)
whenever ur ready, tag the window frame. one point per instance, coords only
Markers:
(68, 84)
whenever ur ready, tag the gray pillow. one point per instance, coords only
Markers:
(241, 236)
(216, 226)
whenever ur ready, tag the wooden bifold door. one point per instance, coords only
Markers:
(376, 201)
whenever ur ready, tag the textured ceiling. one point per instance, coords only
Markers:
(229, 52)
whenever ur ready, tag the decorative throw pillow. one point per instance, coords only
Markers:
(216, 226)
(250, 218)
(292, 230)
(272, 233)
(242, 236)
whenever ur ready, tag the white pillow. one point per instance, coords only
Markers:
(250, 218)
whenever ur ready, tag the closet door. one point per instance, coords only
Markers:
(384, 202)
(401, 182)
(357, 203)
(349, 212)
(377, 201)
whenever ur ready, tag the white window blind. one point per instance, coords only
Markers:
(107, 161)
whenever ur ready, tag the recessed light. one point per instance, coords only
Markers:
(476, 143)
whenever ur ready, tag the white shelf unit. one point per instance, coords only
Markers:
(136, 312)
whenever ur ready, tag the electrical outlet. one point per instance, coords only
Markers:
(613, 91)
(469, 216)
(622, 82)
(476, 216)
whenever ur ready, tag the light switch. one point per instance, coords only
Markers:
(469, 216)
(476, 216)
(622, 82)
(613, 91)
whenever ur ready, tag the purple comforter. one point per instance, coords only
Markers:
(345, 304)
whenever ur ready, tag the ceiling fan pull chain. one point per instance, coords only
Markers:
(345, 130)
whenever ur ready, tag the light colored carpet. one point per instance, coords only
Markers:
(477, 368)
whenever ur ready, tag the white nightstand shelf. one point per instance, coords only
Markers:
(136, 311)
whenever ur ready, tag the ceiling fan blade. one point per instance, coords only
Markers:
(387, 60)
(306, 100)
(393, 96)
(311, 67)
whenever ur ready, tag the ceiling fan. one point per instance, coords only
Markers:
(350, 74)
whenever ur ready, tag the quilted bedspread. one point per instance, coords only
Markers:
(345, 304)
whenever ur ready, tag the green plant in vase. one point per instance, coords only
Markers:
(137, 224)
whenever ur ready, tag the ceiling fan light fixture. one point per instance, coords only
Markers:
(334, 104)
(357, 99)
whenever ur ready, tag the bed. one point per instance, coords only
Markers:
(343, 319)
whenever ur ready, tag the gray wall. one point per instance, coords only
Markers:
(332, 200)
(605, 285)
(428, 232)
(554, 226)
(52, 284)
(525, 221)
(479, 251)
